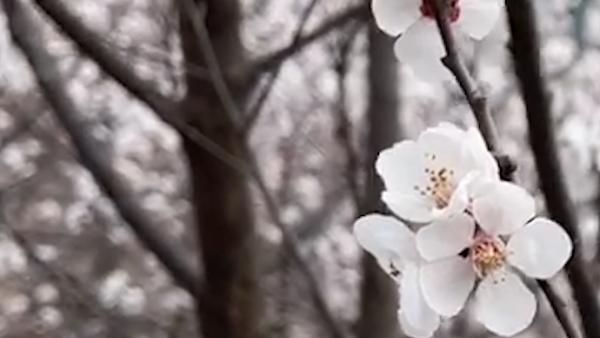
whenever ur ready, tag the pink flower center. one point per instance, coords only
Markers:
(487, 254)
(428, 11)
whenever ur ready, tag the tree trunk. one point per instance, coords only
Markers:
(221, 194)
(379, 302)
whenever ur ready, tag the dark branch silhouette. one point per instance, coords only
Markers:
(525, 50)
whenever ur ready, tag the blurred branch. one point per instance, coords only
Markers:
(480, 109)
(92, 44)
(255, 110)
(45, 68)
(272, 60)
(343, 131)
(525, 49)
(197, 16)
(290, 243)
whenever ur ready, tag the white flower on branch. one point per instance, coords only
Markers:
(427, 178)
(487, 246)
(420, 45)
(393, 244)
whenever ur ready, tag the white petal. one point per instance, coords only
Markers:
(393, 16)
(401, 167)
(503, 208)
(505, 306)
(422, 49)
(446, 148)
(540, 249)
(460, 199)
(447, 283)
(412, 331)
(478, 17)
(445, 237)
(417, 314)
(476, 155)
(388, 239)
(414, 208)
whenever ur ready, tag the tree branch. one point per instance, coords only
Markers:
(525, 50)
(479, 106)
(92, 44)
(255, 110)
(291, 246)
(477, 101)
(265, 63)
(45, 68)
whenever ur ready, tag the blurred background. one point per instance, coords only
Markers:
(193, 168)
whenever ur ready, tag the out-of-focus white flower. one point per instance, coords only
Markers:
(392, 243)
(427, 178)
(462, 249)
(420, 45)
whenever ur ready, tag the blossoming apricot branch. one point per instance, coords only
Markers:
(476, 233)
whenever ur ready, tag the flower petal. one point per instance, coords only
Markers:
(445, 237)
(478, 17)
(476, 155)
(401, 167)
(388, 239)
(446, 284)
(414, 208)
(446, 148)
(540, 249)
(504, 305)
(393, 16)
(421, 48)
(417, 314)
(503, 207)
(412, 331)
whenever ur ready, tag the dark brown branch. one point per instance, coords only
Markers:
(479, 106)
(477, 101)
(358, 12)
(45, 68)
(196, 16)
(525, 50)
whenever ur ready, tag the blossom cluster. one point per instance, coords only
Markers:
(477, 235)
(419, 44)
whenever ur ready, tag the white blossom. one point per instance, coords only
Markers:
(393, 244)
(498, 236)
(427, 178)
(420, 45)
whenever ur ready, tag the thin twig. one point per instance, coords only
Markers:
(525, 48)
(477, 101)
(344, 126)
(255, 110)
(265, 63)
(479, 106)
(290, 243)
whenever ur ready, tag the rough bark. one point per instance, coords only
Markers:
(379, 296)
(221, 194)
